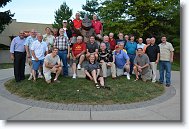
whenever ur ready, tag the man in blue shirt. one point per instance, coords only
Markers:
(18, 54)
(121, 60)
(131, 48)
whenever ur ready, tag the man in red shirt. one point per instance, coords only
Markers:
(77, 24)
(78, 51)
(97, 26)
(112, 41)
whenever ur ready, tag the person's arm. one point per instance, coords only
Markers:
(171, 56)
(68, 56)
(33, 54)
(157, 58)
(48, 65)
(12, 49)
(27, 51)
(46, 50)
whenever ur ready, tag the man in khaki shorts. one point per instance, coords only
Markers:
(52, 64)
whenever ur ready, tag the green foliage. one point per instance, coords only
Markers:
(6, 16)
(63, 13)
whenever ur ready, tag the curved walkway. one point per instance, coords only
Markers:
(165, 107)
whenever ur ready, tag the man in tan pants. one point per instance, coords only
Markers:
(106, 60)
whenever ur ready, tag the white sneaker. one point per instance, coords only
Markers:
(78, 67)
(153, 81)
(40, 76)
(74, 76)
(30, 78)
(125, 73)
(128, 77)
(68, 65)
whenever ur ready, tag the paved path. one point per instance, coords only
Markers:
(166, 107)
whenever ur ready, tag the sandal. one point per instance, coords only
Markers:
(105, 87)
(136, 79)
(97, 86)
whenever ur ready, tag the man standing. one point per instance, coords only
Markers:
(121, 39)
(18, 54)
(97, 26)
(52, 65)
(148, 42)
(152, 52)
(28, 44)
(61, 42)
(48, 38)
(78, 51)
(131, 48)
(166, 58)
(39, 49)
(126, 38)
(67, 32)
(141, 44)
(112, 41)
(142, 66)
(92, 48)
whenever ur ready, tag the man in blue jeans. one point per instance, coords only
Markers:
(61, 42)
(166, 58)
(131, 48)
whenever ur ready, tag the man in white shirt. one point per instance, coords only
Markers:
(39, 49)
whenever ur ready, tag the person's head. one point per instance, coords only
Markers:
(140, 40)
(92, 39)
(140, 51)
(163, 39)
(33, 33)
(77, 16)
(61, 31)
(54, 51)
(95, 17)
(103, 46)
(48, 30)
(132, 38)
(120, 35)
(21, 34)
(39, 37)
(117, 49)
(55, 31)
(121, 46)
(126, 37)
(92, 58)
(64, 23)
(148, 41)
(106, 38)
(152, 40)
(79, 39)
(111, 35)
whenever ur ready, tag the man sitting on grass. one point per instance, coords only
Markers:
(52, 64)
(92, 71)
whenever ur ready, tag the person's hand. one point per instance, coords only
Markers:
(78, 56)
(171, 60)
(102, 61)
(12, 57)
(157, 61)
(68, 56)
(36, 59)
(56, 66)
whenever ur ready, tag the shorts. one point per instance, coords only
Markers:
(91, 75)
(47, 75)
(77, 60)
(37, 64)
(146, 76)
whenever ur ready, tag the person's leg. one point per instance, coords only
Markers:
(113, 70)
(132, 57)
(30, 68)
(101, 79)
(47, 76)
(104, 69)
(16, 67)
(58, 73)
(161, 71)
(87, 56)
(136, 72)
(36, 65)
(65, 63)
(74, 68)
(168, 72)
(61, 57)
(154, 68)
(127, 68)
(94, 76)
(22, 66)
(81, 59)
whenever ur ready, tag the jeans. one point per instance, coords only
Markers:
(165, 66)
(132, 57)
(63, 57)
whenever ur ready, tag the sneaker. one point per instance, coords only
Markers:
(40, 76)
(128, 77)
(168, 85)
(153, 81)
(125, 73)
(79, 67)
(30, 78)
(68, 65)
(74, 76)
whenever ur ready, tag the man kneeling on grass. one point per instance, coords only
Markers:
(52, 64)
(92, 71)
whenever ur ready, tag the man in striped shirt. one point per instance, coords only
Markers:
(61, 42)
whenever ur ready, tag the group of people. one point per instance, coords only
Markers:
(50, 53)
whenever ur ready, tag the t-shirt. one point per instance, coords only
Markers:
(92, 47)
(120, 58)
(90, 67)
(141, 61)
(152, 51)
(51, 60)
(165, 51)
(141, 45)
(78, 48)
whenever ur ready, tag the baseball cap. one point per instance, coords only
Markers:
(64, 21)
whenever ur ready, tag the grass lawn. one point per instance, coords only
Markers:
(6, 65)
(122, 91)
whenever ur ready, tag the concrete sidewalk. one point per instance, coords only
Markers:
(166, 110)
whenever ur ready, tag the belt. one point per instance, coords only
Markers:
(63, 50)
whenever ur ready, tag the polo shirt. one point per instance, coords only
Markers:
(152, 51)
(77, 23)
(77, 48)
(92, 47)
(17, 44)
(165, 51)
(120, 58)
(97, 25)
(39, 49)
(141, 61)
(131, 47)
